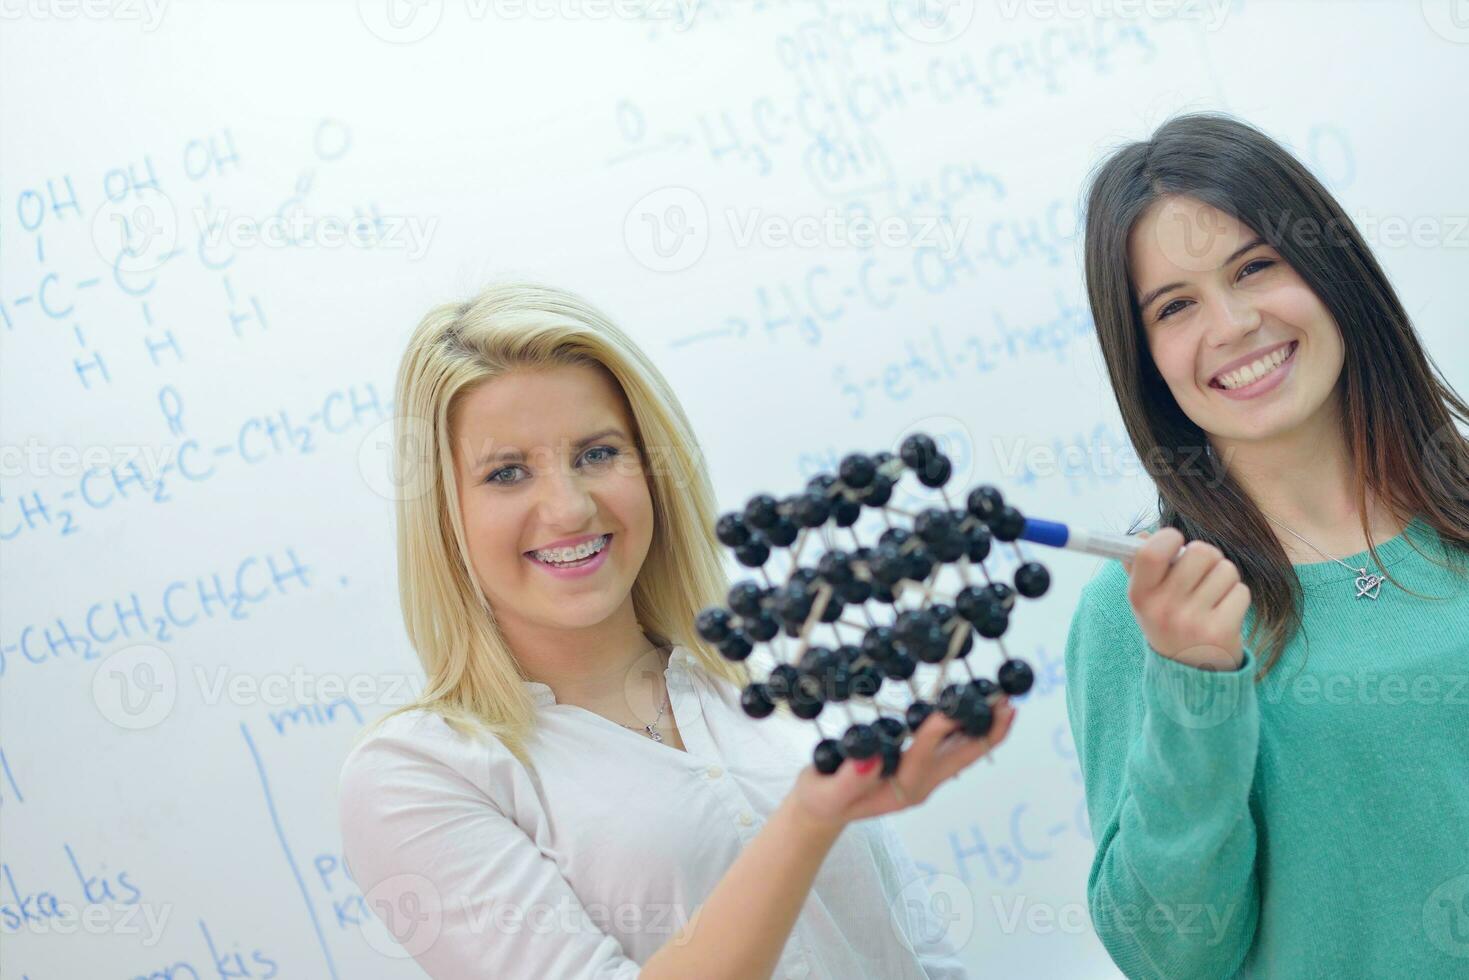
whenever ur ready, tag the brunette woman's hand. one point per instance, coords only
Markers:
(1192, 611)
(938, 751)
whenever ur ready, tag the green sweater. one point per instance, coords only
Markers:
(1313, 824)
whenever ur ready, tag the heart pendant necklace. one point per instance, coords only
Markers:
(1367, 585)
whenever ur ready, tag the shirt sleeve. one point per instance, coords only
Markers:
(457, 883)
(1167, 752)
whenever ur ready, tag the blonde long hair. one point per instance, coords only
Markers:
(473, 679)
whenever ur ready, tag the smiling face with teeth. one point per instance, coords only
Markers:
(557, 510)
(1248, 351)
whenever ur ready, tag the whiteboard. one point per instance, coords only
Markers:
(199, 606)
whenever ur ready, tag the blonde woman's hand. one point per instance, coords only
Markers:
(938, 751)
(1192, 611)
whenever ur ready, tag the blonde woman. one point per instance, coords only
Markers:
(577, 793)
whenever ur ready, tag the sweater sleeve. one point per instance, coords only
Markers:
(1167, 752)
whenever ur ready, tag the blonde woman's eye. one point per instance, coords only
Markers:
(601, 454)
(495, 477)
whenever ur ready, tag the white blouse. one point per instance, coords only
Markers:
(585, 866)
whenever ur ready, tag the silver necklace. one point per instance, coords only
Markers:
(652, 730)
(1367, 585)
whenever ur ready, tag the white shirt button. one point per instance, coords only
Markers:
(714, 772)
(746, 819)
(798, 969)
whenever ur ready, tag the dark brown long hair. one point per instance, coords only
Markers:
(1399, 412)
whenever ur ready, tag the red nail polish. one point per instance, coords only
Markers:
(865, 766)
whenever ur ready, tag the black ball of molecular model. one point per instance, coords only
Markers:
(874, 615)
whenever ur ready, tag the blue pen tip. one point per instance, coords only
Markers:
(1045, 532)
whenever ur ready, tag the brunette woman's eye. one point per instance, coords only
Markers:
(1262, 263)
(1169, 310)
